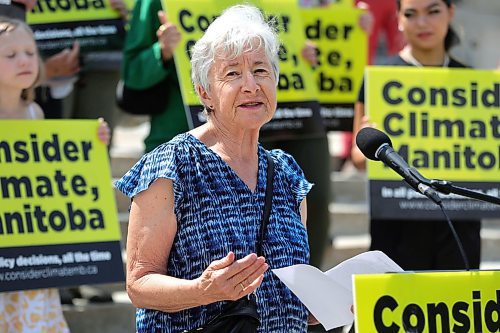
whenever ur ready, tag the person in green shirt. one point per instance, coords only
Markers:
(148, 60)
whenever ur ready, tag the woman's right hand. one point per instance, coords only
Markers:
(230, 279)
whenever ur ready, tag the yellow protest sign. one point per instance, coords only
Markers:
(55, 184)
(433, 302)
(342, 51)
(296, 81)
(93, 23)
(48, 11)
(192, 19)
(445, 123)
(57, 204)
(445, 120)
(342, 56)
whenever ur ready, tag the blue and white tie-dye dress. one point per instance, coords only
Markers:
(217, 213)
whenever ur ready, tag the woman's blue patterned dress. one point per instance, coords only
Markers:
(217, 213)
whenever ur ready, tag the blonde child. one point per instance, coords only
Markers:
(31, 311)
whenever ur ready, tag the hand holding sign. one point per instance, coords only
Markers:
(64, 63)
(310, 53)
(168, 36)
(121, 7)
(103, 131)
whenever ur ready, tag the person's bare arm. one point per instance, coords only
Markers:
(360, 121)
(152, 229)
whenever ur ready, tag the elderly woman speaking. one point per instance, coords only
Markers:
(198, 199)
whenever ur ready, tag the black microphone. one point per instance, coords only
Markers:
(377, 146)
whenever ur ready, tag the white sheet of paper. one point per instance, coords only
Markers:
(329, 295)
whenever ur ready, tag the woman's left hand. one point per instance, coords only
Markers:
(103, 132)
(231, 279)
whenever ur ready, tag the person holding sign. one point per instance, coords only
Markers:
(421, 245)
(20, 71)
(62, 64)
(198, 200)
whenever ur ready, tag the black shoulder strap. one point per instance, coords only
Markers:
(268, 202)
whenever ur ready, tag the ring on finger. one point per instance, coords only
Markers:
(242, 286)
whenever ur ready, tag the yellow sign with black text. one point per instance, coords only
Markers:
(192, 19)
(296, 81)
(342, 51)
(298, 109)
(50, 11)
(427, 302)
(445, 122)
(58, 220)
(55, 184)
(94, 24)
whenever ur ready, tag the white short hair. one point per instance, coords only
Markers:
(239, 29)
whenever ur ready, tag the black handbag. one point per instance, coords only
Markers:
(241, 316)
(149, 101)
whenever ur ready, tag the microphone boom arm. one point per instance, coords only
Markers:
(446, 187)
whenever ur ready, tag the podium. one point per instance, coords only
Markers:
(427, 302)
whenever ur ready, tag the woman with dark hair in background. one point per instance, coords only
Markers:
(429, 244)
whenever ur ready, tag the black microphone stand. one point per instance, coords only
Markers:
(447, 187)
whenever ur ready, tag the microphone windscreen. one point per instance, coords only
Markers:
(369, 141)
